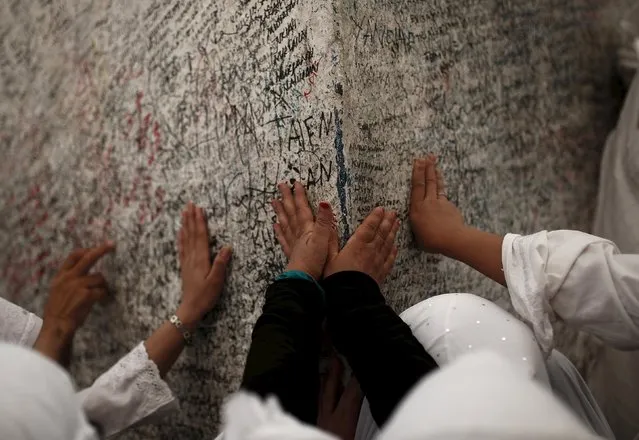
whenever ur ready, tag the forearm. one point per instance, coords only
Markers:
(165, 345)
(284, 355)
(480, 250)
(385, 356)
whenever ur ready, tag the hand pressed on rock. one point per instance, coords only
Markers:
(371, 249)
(306, 241)
(72, 295)
(436, 222)
(339, 406)
(202, 282)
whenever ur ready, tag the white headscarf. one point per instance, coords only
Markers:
(478, 396)
(37, 399)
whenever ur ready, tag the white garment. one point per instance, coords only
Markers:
(589, 284)
(37, 400)
(615, 378)
(247, 416)
(580, 278)
(17, 326)
(617, 212)
(452, 326)
(481, 395)
(129, 393)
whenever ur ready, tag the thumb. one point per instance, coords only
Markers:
(325, 219)
(217, 273)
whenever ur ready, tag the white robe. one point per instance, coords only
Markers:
(129, 393)
(582, 279)
(615, 379)
(480, 395)
(579, 278)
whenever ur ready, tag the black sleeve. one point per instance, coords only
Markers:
(385, 356)
(284, 356)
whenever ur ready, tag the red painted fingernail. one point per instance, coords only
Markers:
(325, 205)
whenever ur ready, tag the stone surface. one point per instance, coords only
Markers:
(114, 114)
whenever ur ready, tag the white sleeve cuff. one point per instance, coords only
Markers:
(129, 393)
(524, 260)
(17, 326)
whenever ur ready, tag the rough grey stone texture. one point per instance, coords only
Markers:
(113, 114)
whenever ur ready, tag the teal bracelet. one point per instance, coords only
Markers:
(298, 275)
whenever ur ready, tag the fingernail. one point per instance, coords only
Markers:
(325, 205)
(225, 252)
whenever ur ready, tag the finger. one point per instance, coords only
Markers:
(441, 185)
(185, 227)
(281, 239)
(181, 239)
(333, 244)
(331, 388)
(190, 221)
(431, 181)
(98, 293)
(304, 213)
(92, 256)
(94, 280)
(73, 259)
(369, 226)
(389, 263)
(201, 236)
(351, 401)
(418, 181)
(280, 213)
(390, 239)
(385, 226)
(218, 270)
(202, 233)
(282, 217)
(325, 221)
(287, 201)
(283, 220)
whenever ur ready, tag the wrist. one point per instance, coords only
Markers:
(294, 266)
(189, 316)
(54, 338)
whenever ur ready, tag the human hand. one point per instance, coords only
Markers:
(72, 294)
(202, 282)
(371, 249)
(339, 407)
(436, 222)
(305, 241)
